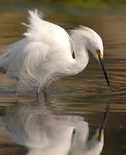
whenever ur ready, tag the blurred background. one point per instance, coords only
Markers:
(85, 94)
(71, 6)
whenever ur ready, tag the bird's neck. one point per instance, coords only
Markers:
(81, 56)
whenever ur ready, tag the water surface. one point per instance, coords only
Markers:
(87, 93)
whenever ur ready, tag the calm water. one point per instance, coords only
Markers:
(85, 94)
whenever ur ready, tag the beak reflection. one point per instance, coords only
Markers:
(104, 122)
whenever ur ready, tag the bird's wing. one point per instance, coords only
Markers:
(31, 71)
(39, 29)
(13, 58)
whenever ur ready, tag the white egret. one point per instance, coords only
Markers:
(44, 133)
(47, 52)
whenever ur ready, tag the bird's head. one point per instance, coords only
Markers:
(88, 39)
(95, 47)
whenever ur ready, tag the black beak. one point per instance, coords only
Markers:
(103, 68)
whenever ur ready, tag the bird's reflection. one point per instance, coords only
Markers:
(43, 132)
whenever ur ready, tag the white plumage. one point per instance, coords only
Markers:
(44, 133)
(45, 53)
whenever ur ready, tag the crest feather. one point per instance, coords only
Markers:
(35, 25)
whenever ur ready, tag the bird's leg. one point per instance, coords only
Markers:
(37, 95)
(45, 96)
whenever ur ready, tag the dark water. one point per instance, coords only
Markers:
(87, 93)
